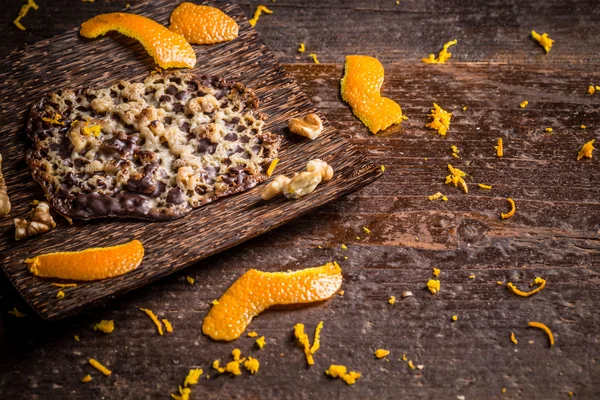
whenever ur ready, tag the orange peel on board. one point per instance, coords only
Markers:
(255, 291)
(360, 87)
(90, 264)
(203, 24)
(169, 49)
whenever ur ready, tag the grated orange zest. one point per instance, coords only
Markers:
(169, 49)
(90, 264)
(64, 285)
(513, 208)
(203, 24)
(340, 371)
(154, 319)
(441, 120)
(252, 365)
(524, 104)
(94, 363)
(381, 353)
(23, 12)
(586, 150)
(392, 300)
(261, 342)
(272, 166)
(56, 120)
(513, 338)
(314, 58)
(86, 378)
(259, 10)
(543, 40)
(483, 186)
(106, 326)
(16, 313)
(167, 324)
(255, 291)
(443, 55)
(433, 285)
(360, 88)
(302, 48)
(60, 294)
(539, 325)
(499, 148)
(538, 281)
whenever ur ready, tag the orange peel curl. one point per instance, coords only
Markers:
(203, 24)
(360, 87)
(169, 49)
(255, 291)
(90, 264)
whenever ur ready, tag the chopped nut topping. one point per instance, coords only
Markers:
(4, 200)
(321, 166)
(274, 187)
(302, 184)
(41, 222)
(310, 126)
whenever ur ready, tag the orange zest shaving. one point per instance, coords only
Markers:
(543, 40)
(443, 55)
(86, 378)
(106, 326)
(456, 178)
(523, 104)
(56, 120)
(340, 371)
(381, 353)
(203, 24)
(100, 367)
(259, 10)
(255, 291)
(513, 208)
(302, 48)
(16, 313)
(513, 338)
(543, 327)
(538, 281)
(272, 166)
(586, 150)
(441, 120)
(169, 49)
(483, 186)
(499, 148)
(64, 285)
(90, 264)
(60, 294)
(260, 342)
(154, 319)
(23, 12)
(360, 87)
(392, 300)
(168, 326)
(433, 285)
(314, 58)
(252, 365)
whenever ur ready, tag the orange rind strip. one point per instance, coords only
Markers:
(169, 49)
(203, 24)
(517, 291)
(255, 291)
(90, 264)
(539, 325)
(360, 87)
(513, 208)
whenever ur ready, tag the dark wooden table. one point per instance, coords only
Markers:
(555, 233)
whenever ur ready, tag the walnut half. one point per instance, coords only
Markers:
(4, 200)
(41, 222)
(310, 126)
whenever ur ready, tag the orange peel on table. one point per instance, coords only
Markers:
(255, 291)
(90, 264)
(203, 24)
(360, 87)
(169, 49)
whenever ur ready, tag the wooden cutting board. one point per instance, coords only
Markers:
(68, 61)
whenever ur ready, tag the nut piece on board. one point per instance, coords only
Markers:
(302, 184)
(4, 200)
(310, 126)
(41, 222)
(274, 187)
(321, 166)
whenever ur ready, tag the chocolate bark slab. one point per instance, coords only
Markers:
(154, 150)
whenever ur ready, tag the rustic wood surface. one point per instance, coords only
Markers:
(554, 234)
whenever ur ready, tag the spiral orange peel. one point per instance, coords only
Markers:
(203, 24)
(169, 49)
(90, 264)
(360, 87)
(255, 291)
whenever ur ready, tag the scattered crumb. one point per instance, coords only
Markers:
(499, 283)
(406, 294)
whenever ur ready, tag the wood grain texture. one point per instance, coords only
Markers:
(69, 61)
(555, 233)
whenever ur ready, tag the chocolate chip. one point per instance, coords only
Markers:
(168, 120)
(245, 139)
(211, 171)
(176, 80)
(165, 99)
(256, 149)
(185, 127)
(178, 107)
(235, 120)
(171, 90)
(206, 146)
(175, 196)
(231, 137)
(182, 95)
(80, 162)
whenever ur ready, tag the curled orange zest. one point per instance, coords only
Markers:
(513, 208)
(94, 363)
(537, 281)
(259, 10)
(360, 87)
(203, 24)
(90, 264)
(255, 291)
(543, 327)
(23, 12)
(169, 49)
